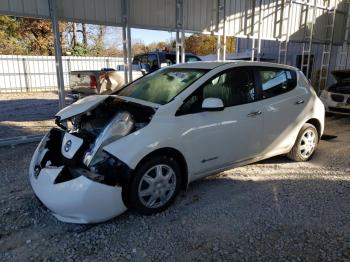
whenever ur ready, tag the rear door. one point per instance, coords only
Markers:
(283, 107)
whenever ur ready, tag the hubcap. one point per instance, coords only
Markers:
(307, 143)
(157, 186)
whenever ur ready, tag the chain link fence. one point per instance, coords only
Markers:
(38, 73)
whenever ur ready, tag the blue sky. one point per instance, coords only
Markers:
(149, 36)
(114, 36)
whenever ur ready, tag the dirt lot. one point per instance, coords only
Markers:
(24, 114)
(275, 210)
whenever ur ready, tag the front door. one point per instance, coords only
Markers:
(220, 138)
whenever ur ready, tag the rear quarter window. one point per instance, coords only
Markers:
(276, 81)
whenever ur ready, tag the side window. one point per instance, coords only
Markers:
(234, 87)
(144, 59)
(275, 81)
(153, 62)
(136, 60)
(170, 59)
(189, 59)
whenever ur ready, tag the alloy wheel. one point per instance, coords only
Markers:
(307, 143)
(157, 186)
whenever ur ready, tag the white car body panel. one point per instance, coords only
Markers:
(281, 128)
(70, 145)
(77, 200)
(208, 141)
(81, 106)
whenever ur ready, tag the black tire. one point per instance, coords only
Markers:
(134, 198)
(296, 153)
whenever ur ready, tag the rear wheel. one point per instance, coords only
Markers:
(155, 185)
(305, 143)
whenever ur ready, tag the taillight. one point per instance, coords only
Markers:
(93, 82)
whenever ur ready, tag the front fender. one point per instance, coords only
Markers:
(133, 148)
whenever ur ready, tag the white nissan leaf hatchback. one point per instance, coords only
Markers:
(139, 147)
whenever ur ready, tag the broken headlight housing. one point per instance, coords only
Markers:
(121, 125)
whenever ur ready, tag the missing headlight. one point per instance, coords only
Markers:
(115, 172)
(121, 125)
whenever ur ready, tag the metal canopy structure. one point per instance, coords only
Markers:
(242, 18)
(282, 20)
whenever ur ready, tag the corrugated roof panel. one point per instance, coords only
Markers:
(42, 8)
(90, 9)
(29, 8)
(199, 15)
(153, 14)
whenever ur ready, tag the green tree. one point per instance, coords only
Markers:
(10, 40)
(206, 44)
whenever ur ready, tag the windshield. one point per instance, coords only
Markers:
(163, 85)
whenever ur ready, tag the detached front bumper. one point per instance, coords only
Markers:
(78, 200)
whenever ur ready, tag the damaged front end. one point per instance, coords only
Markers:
(72, 174)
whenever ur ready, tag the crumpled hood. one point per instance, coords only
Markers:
(90, 102)
(81, 106)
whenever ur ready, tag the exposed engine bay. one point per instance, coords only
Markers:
(78, 143)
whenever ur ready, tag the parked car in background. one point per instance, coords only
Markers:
(108, 80)
(336, 98)
(139, 147)
(154, 60)
(96, 82)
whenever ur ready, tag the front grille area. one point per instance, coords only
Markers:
(337, 98)
(340, 110)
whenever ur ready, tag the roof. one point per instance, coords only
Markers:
(213, 64)
(198, 15)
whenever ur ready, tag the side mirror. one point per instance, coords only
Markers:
(144, 68)
(212, 104)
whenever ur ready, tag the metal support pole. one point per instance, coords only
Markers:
(311, 37)
(259, 33)
(125, 56)
(128, 39)
(125, 51)
(25, 71)
(177, 46)
(252, 32)
(224, 33)
(253, 49)
(183, 46)
(218, 47)
(58, 54)
(179, 26)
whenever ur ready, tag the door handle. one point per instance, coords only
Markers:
(252, 114)
(300, 101)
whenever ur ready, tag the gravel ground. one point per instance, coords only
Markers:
(275, 210)
(24, 114)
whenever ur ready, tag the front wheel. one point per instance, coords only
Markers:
(305, 144)
(155, 185)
